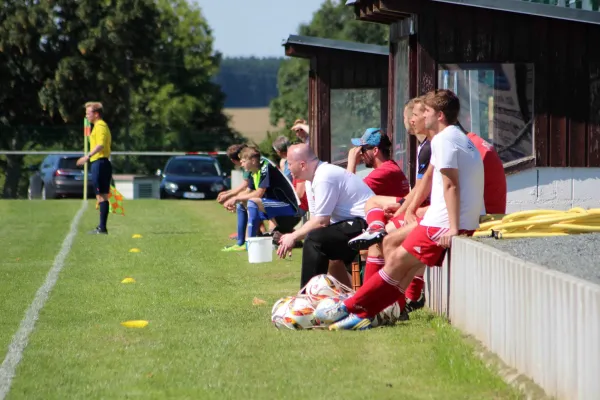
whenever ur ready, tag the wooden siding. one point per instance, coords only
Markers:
(566, 61)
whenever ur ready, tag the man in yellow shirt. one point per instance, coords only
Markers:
(100, 141)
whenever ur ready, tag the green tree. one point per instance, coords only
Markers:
(150, 62)
(23, 69)
(334, 20)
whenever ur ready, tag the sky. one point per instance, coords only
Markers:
(243, 28)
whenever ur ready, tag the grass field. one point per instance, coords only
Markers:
(253, 123)
(205, 338)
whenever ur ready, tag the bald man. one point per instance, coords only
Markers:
(336, 201)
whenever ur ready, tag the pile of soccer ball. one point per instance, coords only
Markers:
(322, 291)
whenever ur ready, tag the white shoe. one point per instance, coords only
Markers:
(368, 238)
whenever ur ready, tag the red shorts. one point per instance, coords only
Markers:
(398, 220)
(422, 243)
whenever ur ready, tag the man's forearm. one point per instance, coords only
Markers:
(422, 191)
(95, 150)
(310, 225)
(238, 190)
(407, 199)
(452, 198)
(351, 167)
(250, 195)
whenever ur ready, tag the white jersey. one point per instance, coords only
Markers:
(451, 148)
(337, 193)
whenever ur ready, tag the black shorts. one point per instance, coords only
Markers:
(102, 175)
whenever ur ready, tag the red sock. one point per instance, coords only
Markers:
(376, 294)
(401, 301)
(413, 291)
(374, 264)
(376, 218)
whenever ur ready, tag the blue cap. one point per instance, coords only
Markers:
(371, 137)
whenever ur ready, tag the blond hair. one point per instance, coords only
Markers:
(96, 106)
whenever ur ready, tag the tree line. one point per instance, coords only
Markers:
(248, 81)
(150, 62)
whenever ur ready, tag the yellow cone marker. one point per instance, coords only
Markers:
(136, 236)
(128, 280)
(135, 324)
(134, 250)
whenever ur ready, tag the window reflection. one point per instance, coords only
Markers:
(400, 153)
(496, 104)
(352, 111)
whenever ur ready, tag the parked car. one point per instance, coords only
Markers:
(191, 177)
(58, 176)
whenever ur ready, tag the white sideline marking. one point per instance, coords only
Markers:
(19, 341)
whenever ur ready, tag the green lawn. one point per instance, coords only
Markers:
(205, 338)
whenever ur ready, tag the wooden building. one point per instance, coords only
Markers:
(527, 75)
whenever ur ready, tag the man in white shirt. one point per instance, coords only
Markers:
(456, 203)
(336, 201)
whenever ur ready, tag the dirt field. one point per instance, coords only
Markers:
(253, 123)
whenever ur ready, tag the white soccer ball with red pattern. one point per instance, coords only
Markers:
(294, 313)
(279, 311)
(388, 316)
(323, 286)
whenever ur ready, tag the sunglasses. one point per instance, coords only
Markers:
(364, 149)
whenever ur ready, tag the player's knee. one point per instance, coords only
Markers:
(390, 227)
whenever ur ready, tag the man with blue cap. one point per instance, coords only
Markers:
(386, 179)
(374, 148)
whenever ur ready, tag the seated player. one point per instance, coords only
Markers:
(456, 203)
(269, 196)
(380, 209)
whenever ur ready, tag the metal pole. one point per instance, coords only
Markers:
(128, 109)
(86, 126)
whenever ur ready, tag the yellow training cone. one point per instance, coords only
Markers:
(135, 324)
(128, 280)
(134, 250)
(136, 236)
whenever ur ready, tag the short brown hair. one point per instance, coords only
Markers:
(444, 101)
(249, 152)
(233, 151)
(96, 106)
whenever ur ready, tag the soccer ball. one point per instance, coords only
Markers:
(329, 303)
(323, 286)
(388, 316)
(279, 311)
(294, 313)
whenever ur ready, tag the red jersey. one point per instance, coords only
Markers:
(388, 180)
(303, 199)
(494, 191)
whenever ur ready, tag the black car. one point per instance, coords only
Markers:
(59, 176)
(191, 177)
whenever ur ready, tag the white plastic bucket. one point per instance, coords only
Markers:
(260, 249)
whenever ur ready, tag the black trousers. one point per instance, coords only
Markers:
(329, 243)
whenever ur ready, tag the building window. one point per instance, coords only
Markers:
(496, 104)
(352, 111)
(401, 90)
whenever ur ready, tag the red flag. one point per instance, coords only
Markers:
(87, 127)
